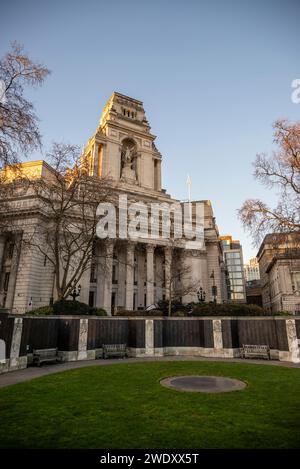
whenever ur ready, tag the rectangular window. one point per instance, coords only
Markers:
(10, 250)
(238, 296)
(233, 255)
(238, 289)
(237, 281)
(115, 274)
(236, 275)
(234, 262)
(296, 280)
(235, 268)
(6, 281)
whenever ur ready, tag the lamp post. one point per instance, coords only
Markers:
(201, 295)
(214, 291)
(75, 292)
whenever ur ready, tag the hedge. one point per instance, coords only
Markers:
(68, 307)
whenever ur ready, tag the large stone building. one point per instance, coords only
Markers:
(134, 277)
(279, 265)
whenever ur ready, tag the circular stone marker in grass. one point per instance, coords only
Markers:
(214, 384)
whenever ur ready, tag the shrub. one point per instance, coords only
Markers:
(68, 307)
(72, 307)
(42, 311)
(283, 313)
(227, 309)
(176, 306)
(139, 313)
(98, 312)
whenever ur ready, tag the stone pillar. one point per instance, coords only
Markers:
(150, 274)
(141, 278)
(129, 276)
(122, 278)
(16, 342)
(217, 334)
(158, 278)
(168, 265)
(294, 351)
(149, 337)
(2, 244)
(109, 253)
(158, 169)
(82, 340)
(96, 159)
(84, 282)
(13, 273)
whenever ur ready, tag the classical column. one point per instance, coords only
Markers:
(2, 244)
(158, 278)
(150, 274)
(158, 176)
(96, 159)
(84, 282)
(100, 273)
(168, 263)
(109, 254)
(13, 273)
(129, 276)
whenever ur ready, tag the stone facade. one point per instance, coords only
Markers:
(129, 275)
(279, 264)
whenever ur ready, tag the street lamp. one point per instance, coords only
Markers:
(214, 290)
(75, 292)
(201, 295)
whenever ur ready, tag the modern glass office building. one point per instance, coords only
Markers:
(233, 257)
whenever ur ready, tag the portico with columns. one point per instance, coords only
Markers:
(134, 275)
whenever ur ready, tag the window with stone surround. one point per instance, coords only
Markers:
(296, 281)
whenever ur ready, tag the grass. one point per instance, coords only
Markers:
(124, 406)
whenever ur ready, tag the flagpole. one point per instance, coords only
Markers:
(189, 184)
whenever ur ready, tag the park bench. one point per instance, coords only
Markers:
(45, 355)
(114, 350)
(255, 351)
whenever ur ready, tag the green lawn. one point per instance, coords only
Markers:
(124, 406)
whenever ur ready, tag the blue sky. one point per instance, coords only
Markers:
(213, 76)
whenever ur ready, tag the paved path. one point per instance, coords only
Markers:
(19, 376)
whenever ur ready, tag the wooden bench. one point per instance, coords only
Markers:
(114, 350)
(45, 355)
(255, 351)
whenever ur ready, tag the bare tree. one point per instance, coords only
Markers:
(19, 130)
(178, 277)
(282, 172)
(67, 199)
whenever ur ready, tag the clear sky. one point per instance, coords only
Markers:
(213, 76)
